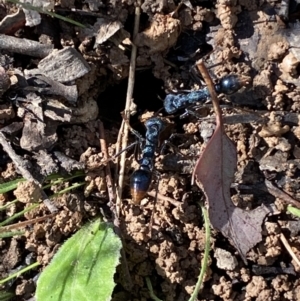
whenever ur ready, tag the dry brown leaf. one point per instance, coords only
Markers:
(214, 173)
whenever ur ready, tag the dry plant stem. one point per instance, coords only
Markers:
(26, 223)
(109, 182)
(211, 88)
(21, 166)
(131, 80)
(116, 176)
(204, 261)
(214, 97)
(277, 193)
(289, 249)
(112, 196)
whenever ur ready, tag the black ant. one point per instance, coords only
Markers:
(141, 178)
(228, 84)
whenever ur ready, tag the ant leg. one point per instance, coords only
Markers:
(167, 142)
(130, 146)
(133, 131)
(140, 138)
(195, 75)
(189, 112)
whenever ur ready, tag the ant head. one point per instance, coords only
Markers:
(230, 84)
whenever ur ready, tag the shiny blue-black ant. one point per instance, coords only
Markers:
(228, 84)
(141, 178)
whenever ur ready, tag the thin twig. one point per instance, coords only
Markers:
(111, 204)
(212, 91)
(26, 223)
(289, 249)
(109, 182)
(277, 193)
(128, 105)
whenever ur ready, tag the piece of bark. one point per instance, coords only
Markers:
(263, 270)
(38, 133)
(64, 65)
(46, 85)
(4, 81)
(24, 168)
(67, 163)
(37, 136)
(12, 128)
(46, 163)
(11, 23)
(57, 111)
(24, 46)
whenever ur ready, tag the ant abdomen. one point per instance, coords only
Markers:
(139, 184)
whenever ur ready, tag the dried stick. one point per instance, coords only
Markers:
(24, 46)
(131, 80)
(289, 249)
(277, 193)
(212, 91)
(22, 166)
(109, 182)
(26, 223)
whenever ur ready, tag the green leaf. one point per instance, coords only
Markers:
(83, 268)
(293, 210)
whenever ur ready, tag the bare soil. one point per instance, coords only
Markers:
(163, 238)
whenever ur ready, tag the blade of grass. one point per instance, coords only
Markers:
(16, 215)
(47, 12)
(22, 271)
(5, 296)
(76, 185)
(293, 210)
(150, 288)
(8, 220)
(7, 205)
(199, 283)
(11, 234)
(11, 185)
